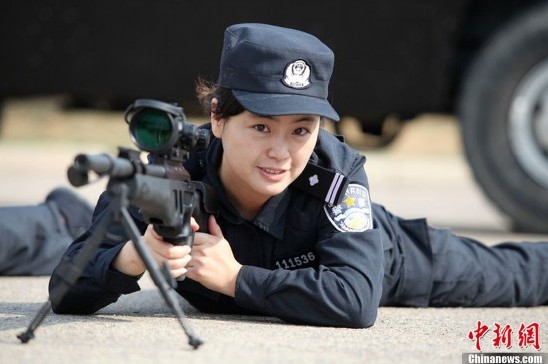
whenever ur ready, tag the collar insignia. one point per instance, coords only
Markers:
(313, 180)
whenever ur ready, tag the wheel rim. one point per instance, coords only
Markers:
(529, 123)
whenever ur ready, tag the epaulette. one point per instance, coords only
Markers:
(325, 184)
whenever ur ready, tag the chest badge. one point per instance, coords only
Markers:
(353, 214)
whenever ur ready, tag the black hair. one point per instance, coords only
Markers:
(227, 104)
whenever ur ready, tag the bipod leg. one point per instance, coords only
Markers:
(38, 318)
(68, 273)
(166, 289)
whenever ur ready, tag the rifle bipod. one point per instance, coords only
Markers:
(70, 270)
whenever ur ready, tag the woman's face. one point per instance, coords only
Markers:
(263, 154)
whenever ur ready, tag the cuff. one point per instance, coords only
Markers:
(114, 280)
(251, 289)
(119, 282)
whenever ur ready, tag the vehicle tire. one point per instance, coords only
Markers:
(504, 117)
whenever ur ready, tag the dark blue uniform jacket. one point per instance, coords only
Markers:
(296, 265)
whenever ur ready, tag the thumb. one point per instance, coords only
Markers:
(214, 228)
(194, 225)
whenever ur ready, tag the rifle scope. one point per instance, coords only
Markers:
(158, 127)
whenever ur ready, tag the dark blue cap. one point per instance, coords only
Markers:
(277, 71)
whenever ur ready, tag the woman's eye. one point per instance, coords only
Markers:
(261, 127)
(301, 131)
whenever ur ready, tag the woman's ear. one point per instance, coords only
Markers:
(217, 122)
(217, 127)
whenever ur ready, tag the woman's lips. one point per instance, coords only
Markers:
(273, 174)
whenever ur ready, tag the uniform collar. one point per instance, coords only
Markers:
(271, 217)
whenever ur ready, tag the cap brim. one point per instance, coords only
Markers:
(285, 104)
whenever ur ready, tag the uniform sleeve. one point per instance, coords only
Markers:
(99, 284)
(344, 290)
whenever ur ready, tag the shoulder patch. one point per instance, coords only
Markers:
(354, 213)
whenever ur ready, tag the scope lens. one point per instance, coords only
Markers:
(152, 128)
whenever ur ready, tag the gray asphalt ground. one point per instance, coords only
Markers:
(423, 174)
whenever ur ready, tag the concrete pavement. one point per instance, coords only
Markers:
(140, 329)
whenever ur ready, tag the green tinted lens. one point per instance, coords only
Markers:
(152, 128)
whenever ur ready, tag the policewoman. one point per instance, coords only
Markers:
(296, 235)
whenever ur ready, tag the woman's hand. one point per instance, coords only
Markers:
(213, 263)
(176, 257)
